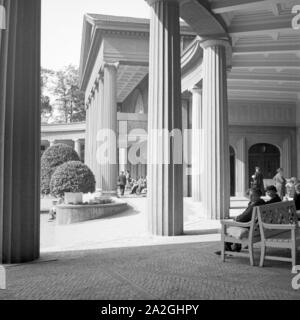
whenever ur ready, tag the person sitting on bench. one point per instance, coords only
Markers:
(255, 200)
(297, 196)
(272, 194)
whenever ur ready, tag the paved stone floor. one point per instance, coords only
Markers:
(115, 259)
(182, 271)
(125, 229)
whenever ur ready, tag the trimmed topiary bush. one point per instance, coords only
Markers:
(52, 158)
(73, 176)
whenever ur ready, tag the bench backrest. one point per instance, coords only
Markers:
(281, 213)
(278, 213)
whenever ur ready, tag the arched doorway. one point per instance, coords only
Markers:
(267, 157)
(232, 171)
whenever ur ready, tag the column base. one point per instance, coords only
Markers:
(2, 277)
(112, 193)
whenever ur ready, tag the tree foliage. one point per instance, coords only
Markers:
(69, 98)
(46, 107)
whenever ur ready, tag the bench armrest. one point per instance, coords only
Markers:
(279, 226)
(231, 223)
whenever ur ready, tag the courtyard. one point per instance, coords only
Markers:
(195, 102)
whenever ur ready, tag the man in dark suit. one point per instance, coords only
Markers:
(246, 216)
(273, 195)
(122, 181)
(297, 196)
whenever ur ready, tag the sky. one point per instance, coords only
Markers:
(62, 22)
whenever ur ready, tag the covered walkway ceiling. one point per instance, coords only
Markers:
(266, 50)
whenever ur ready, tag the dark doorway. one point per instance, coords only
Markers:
(232, 171)
(267, 157)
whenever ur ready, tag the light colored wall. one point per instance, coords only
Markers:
(128, 106)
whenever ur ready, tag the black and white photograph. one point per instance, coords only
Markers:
(149, 151)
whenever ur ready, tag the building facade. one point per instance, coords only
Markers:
(244, 58)
(262, 79)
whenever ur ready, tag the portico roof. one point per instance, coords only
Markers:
(117, 39)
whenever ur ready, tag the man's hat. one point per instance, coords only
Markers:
(271, 188)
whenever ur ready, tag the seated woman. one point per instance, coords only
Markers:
(272, 194)
(135, 186)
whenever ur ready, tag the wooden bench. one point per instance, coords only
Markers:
(245, 234)
(279, 229)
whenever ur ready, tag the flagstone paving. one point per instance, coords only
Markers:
(176, 271)
(115, 259)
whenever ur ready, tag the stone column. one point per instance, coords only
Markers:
(52, 143)
(185, 123)
(77, 147)
(20, 132)
(165, 197)
(109, 121)
(122, 159)
(216, 169)
(241, 174)
(298, 152)
(196, 144)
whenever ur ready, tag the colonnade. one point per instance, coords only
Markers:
(20, 128)
(210, 142)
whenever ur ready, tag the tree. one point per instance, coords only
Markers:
(46, 107)
(70, 100)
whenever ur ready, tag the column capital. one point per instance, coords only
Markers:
(152, 2)
(110, 65)
(196, 89)
(215, 42)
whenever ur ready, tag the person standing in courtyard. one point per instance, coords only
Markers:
(122, 181)
(258, 180)
(280, 183)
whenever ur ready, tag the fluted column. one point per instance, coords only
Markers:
(123, 159)
(298, 152)
(77, 147)
(165, 197)
(241, 167)
(196, 144)
(216, 170)
(109, 170)
(20, 132)
(185, 123)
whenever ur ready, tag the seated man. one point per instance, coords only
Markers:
(272, 194)
(297, 196)
(246, 216)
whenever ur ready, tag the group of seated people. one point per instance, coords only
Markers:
(138, 186)
(290, 187)
(256, 200)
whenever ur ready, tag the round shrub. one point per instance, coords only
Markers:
(72, 176)
(52, 158)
